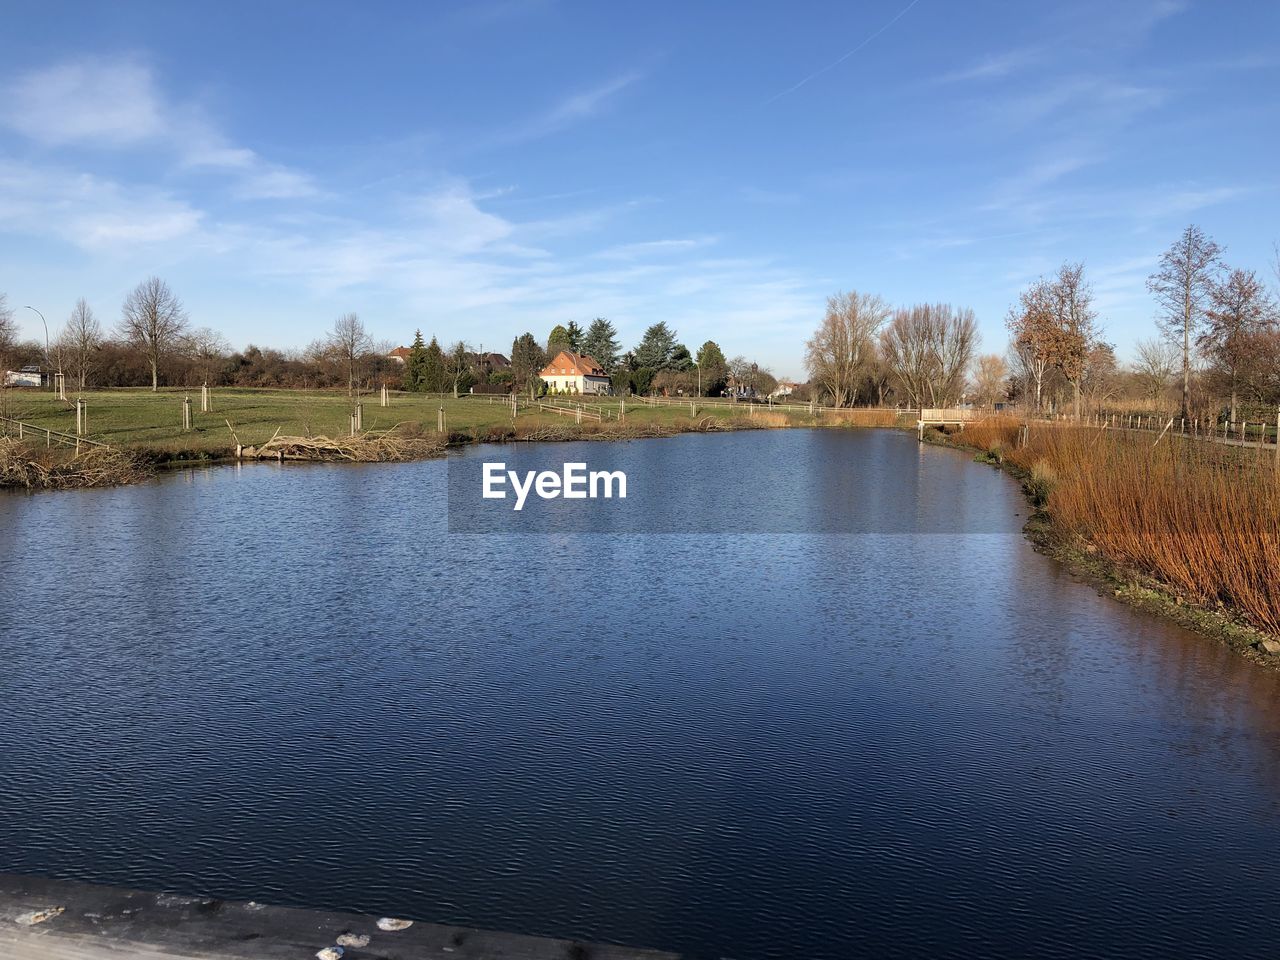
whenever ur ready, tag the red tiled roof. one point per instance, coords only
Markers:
(573, 364)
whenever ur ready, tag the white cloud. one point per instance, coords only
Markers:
(90, 212)
(89, 102)
(99, 104)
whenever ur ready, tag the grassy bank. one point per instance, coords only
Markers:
(1186, 528)
(136, 419)
(145, 429)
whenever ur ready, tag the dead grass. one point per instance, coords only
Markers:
(860, 416)
(1199, 517)
(39, 469)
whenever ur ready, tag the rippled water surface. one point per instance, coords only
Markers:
(768, 738)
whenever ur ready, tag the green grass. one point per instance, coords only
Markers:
(140, 419)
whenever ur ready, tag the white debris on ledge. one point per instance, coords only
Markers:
(387, 923)
(39, 916)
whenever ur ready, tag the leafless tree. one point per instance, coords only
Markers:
(208, 349)
(990, 377)
(79, 341)
(1100, 375)
(8, 328)
(154, 320)
(1182, 285)
(349, 341)
(1074, 331)
(1054, 325)
(1239, 311)
(1156, 365)
(1030, 325)
(844, 344)
(929, 348)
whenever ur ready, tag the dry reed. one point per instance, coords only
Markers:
(1202, 518)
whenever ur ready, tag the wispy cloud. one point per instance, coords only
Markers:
(115, 104)
(89, 212)
(576, 107)
(996, 66)
(89, 102)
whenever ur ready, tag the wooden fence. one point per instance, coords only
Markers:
(30, 430)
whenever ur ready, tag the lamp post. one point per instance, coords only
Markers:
(48, 357)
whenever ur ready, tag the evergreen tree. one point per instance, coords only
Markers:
(433, 373)
(601, 344)
(656, 348)
(415, 366)
(573, 336)
(527, 361)
(713, 370)
(680, 358)
(558, 340)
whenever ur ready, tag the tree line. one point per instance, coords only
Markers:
(1217, 340)
(154, 342)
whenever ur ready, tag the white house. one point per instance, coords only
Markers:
(575, 373)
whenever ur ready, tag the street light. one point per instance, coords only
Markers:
(48, 358)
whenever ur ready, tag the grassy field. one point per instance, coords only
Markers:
(140, 419)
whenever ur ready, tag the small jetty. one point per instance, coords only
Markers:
(43, 919)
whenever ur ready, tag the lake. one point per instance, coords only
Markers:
(801, 694)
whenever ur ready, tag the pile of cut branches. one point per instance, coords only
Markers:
(20, 466)
(365, 448)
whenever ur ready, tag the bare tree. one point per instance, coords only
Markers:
(1239, 310)
(929, 348)
(1155, 367)
(844, 344)
(1100, 377)
(79, 341)
(154, 320)
(1054, 325)
(990, 377)
(1030, 325)
(8, 328)
(1182, 285)
(208, 349)
(1074, 331)
(349, 341)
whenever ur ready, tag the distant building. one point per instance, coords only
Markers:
(575, 373)
(26, 377)
(783, 389)
(400, 354)
(490, 361)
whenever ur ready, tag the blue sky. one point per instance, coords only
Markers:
(481, 169)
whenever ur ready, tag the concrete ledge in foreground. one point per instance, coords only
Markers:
(56, 920)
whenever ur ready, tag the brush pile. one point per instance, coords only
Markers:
(366, 448)
(27, 469)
